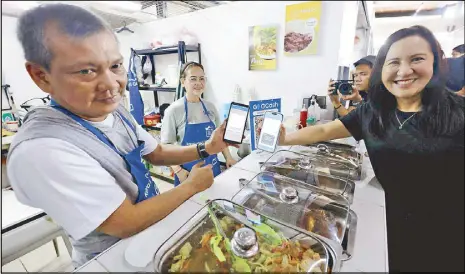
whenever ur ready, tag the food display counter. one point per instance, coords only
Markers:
(360, 222)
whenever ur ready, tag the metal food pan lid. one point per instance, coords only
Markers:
(313, 170)
(297, 204)
(199, 247)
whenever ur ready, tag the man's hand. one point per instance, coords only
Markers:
(334, 97)
(230, 162)
(200, 178)
(216, 144)
(354, 96)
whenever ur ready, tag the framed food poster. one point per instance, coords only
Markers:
(262, 47)
(302, 28)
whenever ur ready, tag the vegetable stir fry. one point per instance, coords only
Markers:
(276, 253)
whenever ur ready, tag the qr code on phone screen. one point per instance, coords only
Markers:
(268, 139)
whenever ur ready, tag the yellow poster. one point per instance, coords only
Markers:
(302, 28)
(262, 47)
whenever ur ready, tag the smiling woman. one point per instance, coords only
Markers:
(413, 128)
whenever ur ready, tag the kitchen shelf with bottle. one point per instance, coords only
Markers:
(162, 89)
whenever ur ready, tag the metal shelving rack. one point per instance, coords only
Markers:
(181, 49)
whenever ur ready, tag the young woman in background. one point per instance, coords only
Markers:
(413, 128)
(191, 120)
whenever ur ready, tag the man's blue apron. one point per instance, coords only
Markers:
(133, 159)
(136, 105)
(196, 133)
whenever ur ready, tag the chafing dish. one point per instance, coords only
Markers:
(301, 205)
(316, 171)
(255, 243)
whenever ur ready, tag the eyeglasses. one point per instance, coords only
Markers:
(194, 79)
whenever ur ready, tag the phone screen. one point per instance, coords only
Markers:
(270, 131)
(235, 126)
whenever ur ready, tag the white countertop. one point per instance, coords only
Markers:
(370, 254)
(14, 212)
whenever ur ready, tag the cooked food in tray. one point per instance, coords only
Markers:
(208, 251)
(323, 222)
(302, 205)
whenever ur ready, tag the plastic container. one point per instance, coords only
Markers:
(312, 115)
(303, 116)
(301, 205)
(252, 239)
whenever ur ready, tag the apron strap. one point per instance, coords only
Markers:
(126, 120)
(86, 125)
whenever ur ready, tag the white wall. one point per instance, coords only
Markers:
(13, 69)
(223, 34)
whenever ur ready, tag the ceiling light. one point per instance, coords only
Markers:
(122, 5)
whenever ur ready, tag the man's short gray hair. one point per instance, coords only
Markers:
(72, 20)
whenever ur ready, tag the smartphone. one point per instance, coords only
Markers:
(270, 131)
(235, 125)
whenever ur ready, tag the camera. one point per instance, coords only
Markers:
(344, 87)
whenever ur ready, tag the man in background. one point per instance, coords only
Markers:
(456, 75)
(458, 51)
(359, 93)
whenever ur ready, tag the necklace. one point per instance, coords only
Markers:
(402, 124)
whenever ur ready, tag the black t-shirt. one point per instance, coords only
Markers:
(423, 180)
(364, 96)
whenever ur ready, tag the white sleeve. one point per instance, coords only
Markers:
(64, 181)
(168, 128)
(150, 142)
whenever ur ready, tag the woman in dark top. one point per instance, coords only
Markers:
(413, 128)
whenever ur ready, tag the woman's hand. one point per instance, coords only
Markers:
(230, 162)
(282, 136)
(182, 175)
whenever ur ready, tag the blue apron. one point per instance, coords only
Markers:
(196, 133)
(133, 159)
(136, 105)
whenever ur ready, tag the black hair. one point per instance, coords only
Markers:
(189, 65)
(459, 48)
(442, 111)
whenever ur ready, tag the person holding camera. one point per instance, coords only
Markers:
(356, 93)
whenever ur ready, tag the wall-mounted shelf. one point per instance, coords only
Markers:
(166, 50)
(181, 49)
(163, 89)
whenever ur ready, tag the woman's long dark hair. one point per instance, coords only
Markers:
(442, 111)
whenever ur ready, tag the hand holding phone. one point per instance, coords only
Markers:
(235, 125)
(269, 133)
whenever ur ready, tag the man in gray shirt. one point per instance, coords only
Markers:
(80, 159)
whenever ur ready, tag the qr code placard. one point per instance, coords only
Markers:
(268, 139)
